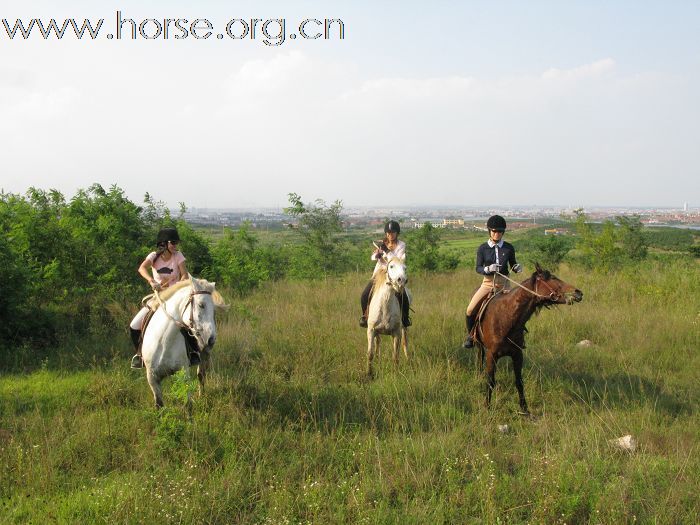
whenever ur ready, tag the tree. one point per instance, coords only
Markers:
(632, 237)
(319, 225)
(550, 250)
(240, 263)
(424, 253)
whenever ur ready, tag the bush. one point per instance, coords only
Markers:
(424, 252)
(239, 263)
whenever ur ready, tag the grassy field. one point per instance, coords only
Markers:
(291, 431)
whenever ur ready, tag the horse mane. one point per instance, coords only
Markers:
(171, 290)
(379, 277)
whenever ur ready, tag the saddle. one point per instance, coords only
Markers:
(481, 307)
(517, 338)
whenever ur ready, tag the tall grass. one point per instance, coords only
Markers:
(291, 431)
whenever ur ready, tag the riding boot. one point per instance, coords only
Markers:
(364, 303)
(469, 341)
(136, 361)
(405, 309)
(192, 347)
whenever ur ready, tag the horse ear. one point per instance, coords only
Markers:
(538, 268)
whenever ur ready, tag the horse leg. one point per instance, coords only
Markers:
(480, 356)
(490, 377)
(370, 352)
(404, 338)
(396, 342)
(517, 370)
(154, 383)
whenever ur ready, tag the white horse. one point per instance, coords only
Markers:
(384, 313)
(188, 304)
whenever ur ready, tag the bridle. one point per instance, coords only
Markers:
(390, 282)
(553, 296)
(191, 328)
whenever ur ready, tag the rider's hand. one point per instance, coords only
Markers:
(156, 285)
(492, 268)
(517, 268)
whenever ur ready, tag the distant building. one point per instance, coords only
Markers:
(556, 231)
(455, 223)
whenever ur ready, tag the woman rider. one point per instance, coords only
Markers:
(160, 269)
(390, 247)
(495, 255)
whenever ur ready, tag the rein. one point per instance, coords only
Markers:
(551, 295)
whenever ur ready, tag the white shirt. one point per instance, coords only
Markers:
(398, 251)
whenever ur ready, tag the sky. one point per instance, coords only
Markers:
(473, 103)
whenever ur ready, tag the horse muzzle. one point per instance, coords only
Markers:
(574, 297)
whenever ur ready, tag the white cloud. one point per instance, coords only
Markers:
(24, 95)
(594, 69)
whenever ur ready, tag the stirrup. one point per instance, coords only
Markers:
(468, 342)
(136, 361)
(194, 359)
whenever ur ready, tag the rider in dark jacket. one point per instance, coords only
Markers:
(493, 257)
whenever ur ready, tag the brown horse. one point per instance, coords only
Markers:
(501, 331)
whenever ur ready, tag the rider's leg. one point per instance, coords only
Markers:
(364, 301)
(192, 347)
(135, 333)
(469, 340)
(482, 292)
(405, 305)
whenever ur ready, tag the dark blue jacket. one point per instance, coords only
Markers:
(486, 256)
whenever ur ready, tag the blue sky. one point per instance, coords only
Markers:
(453, 103)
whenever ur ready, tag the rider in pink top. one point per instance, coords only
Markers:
(161, 268)
(165, 272)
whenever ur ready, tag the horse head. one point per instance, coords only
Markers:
(554, 289)
(396, 274)
(204, 300)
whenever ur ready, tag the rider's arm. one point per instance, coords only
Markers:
(511, 258)
(145, 270)
(400, 250)
(480, 263)
(184, 274)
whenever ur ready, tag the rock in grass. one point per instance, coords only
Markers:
(503, 429)
(626, 443)
(586, 343)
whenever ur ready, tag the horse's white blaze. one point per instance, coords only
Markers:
(384, 313)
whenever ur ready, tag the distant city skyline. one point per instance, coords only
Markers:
(476, 103)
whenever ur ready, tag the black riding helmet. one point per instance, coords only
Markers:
(392, 226)
(167, 234)
(496, 223)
